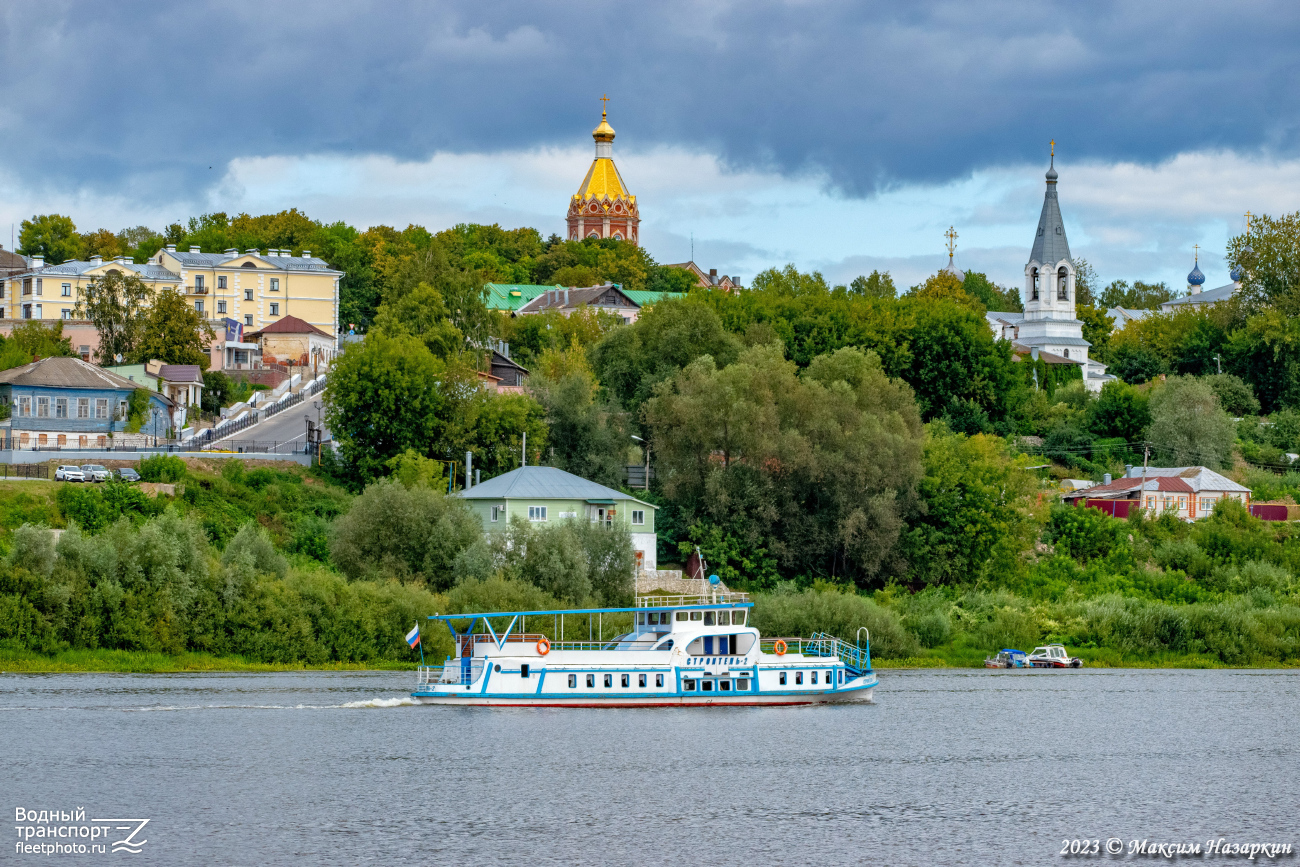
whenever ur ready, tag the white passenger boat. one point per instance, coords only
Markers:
(681, 650)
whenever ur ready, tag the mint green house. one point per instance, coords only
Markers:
(545, 495)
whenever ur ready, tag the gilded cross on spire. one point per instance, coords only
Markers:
(1248, 216)
(1053, 144)
(951, 235)
(1196, 249)
(604, 104)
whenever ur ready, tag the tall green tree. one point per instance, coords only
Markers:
(117, 304)
(1139, 296)
(874, 285)
(31, 339)
(174, 332)
(53, 236)
(385, 397)
(1269, 261)
(587, 437)
(1188, 427)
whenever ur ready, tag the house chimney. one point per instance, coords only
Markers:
(713, 276)
(232, 252)
(194, 248)
(306, 254)
(1105, 479)
(97, 259)
(566, 297)
(38, 262)
(171, 248)
(1128, 471)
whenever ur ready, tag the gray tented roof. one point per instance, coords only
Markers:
(542, 483)
(1209, 296)
(1050, 245)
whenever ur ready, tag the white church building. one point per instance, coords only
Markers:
(1048, 324)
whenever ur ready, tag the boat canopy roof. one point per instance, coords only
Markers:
(729, 603)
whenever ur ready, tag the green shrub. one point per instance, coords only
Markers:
(1084, 533)
(162, 468)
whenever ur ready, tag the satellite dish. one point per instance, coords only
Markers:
(713, 579)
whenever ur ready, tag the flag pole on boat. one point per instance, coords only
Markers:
(413, 639)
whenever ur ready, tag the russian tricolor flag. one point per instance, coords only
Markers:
(413, 637)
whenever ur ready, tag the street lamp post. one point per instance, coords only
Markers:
(646, 445)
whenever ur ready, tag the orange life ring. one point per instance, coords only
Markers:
(543, 646)
(780, 647)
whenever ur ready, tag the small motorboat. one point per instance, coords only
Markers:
(1053, 656)
(1008, 658)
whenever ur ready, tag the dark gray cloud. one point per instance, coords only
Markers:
(138, 98)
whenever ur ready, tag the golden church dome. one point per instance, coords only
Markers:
(604, 132)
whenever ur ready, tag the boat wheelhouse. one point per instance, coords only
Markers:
(680, 650)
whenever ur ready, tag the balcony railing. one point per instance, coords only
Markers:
(199, 290)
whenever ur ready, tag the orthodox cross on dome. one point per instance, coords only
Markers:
(604, 103)
(1196, 251)
(1248, 216)
(951, 235)
(1053, 144)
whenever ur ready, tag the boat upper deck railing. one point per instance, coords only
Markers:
(728, 597)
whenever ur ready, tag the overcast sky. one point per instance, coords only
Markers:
(839, 136)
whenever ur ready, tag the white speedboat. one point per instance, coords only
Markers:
(681, 650)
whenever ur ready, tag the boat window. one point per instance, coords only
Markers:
(640, 620)
(737, 618)
(724, 685)
(724, 618)
(659, 680)
(743, 641)
(591, 681)
(708, 618)
(498, 667)
(798, 677)
(523, 670)
(742, 685)
(783, 678)
(666, 645)
(573, 681)
(609, 681)
(708, 686)
(640, 680)
(688, 684)
(624, 683)
(681, 616)
(696, 615)
(814, 677)
(841, 674)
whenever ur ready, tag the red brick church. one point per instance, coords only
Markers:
(602, 207)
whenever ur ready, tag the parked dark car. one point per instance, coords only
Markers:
(127, 474)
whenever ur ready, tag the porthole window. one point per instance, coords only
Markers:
(498, 668)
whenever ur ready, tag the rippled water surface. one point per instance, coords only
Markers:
(943, 768)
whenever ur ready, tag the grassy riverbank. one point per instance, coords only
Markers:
(128, 661)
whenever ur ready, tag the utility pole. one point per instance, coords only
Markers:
(1142, 497)
(524, 451)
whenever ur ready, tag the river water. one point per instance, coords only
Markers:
(944, 767)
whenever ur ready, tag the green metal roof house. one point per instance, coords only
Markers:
(545, 494)
(512, 296)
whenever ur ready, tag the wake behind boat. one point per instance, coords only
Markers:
(681, 650)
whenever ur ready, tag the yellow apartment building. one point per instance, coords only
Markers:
(253, 288)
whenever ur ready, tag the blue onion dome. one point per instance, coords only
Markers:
(1235, 275)
(1196, 278)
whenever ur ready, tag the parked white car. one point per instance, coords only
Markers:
(96, 473)
(69, 474)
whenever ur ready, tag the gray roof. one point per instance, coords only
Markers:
(1050, 245)
(58, 372)
(543, 483)
(284, 263)
(77, 268)
(1010, 318)
(1209, 296)
(181, 373)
